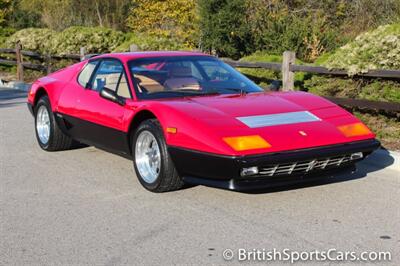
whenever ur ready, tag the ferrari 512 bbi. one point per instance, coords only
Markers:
(185, 117)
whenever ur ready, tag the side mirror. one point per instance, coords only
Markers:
(111, 95)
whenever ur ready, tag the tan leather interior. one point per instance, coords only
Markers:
(149, 84)
(179, 83)
(181, 77)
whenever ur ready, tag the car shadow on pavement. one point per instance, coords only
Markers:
(376, 161)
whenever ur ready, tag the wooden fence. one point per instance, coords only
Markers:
(46, 60)
(287, 67)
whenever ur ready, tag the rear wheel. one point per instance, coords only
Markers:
(153, 165)
(48, 134)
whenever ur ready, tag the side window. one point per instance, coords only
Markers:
(110, 74)
(86, 73)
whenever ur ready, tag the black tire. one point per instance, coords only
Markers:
(57, 139)
(168, 178)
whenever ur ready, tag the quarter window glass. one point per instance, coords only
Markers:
(86, 73)
(123, 89)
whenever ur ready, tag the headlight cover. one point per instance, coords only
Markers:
(243, 143)
(353, 130)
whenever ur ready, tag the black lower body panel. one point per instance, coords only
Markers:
(225, 171)
(93, 134)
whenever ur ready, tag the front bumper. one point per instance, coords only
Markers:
(224, 171)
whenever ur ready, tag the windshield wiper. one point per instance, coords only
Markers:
(239, 90)
(187, 92)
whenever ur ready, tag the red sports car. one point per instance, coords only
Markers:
(186, 117)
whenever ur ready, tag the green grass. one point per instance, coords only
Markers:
(386, 129)
(264, 77)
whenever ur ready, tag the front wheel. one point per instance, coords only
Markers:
(153, 165)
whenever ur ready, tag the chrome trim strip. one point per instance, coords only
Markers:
(278, 119)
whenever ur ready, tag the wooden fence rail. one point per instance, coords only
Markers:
(287, 67)
(45, 59)
(384, 74)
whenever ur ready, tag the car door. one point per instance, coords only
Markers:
(100, 122)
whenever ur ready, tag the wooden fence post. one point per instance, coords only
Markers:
(48, 63)
(287, 75)
(20, 66)
(133, 48)
(82, 52)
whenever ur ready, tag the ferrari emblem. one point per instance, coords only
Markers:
(301, 132)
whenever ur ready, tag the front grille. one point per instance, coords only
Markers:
(304, 167)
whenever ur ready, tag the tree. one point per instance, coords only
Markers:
(5, 8)
(61, 14)
(224, 27)
(175, 19)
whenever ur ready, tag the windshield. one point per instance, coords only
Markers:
(181, 76)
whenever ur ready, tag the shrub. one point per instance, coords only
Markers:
(175, 19)
(149, 43)
(94, 39)
(224, 28)
(379, 90)
(4, 34)
(377, 49)
(33, 39)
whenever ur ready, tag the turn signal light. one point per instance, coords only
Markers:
(243, 143)
(172, 130)
(352, 130)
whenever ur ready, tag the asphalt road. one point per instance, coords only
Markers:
(85, 206)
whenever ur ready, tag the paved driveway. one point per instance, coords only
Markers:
(85, 206)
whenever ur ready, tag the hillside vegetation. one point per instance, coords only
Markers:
(376, 49)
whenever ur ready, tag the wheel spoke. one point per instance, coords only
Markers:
(147, 156)
(43, 124)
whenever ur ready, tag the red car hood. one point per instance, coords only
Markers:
(222, 116)
(255, 104)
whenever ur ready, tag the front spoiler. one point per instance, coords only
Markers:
(271, 182)
(224, 171)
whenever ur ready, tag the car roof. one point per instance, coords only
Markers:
(135, 55)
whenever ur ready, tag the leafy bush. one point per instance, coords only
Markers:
(309, 37)
(33, 39)
(94, 39)
(4, 34)
(149, 43)
(224, 28)
(377, 49)
(379, 90)
(178, 19)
